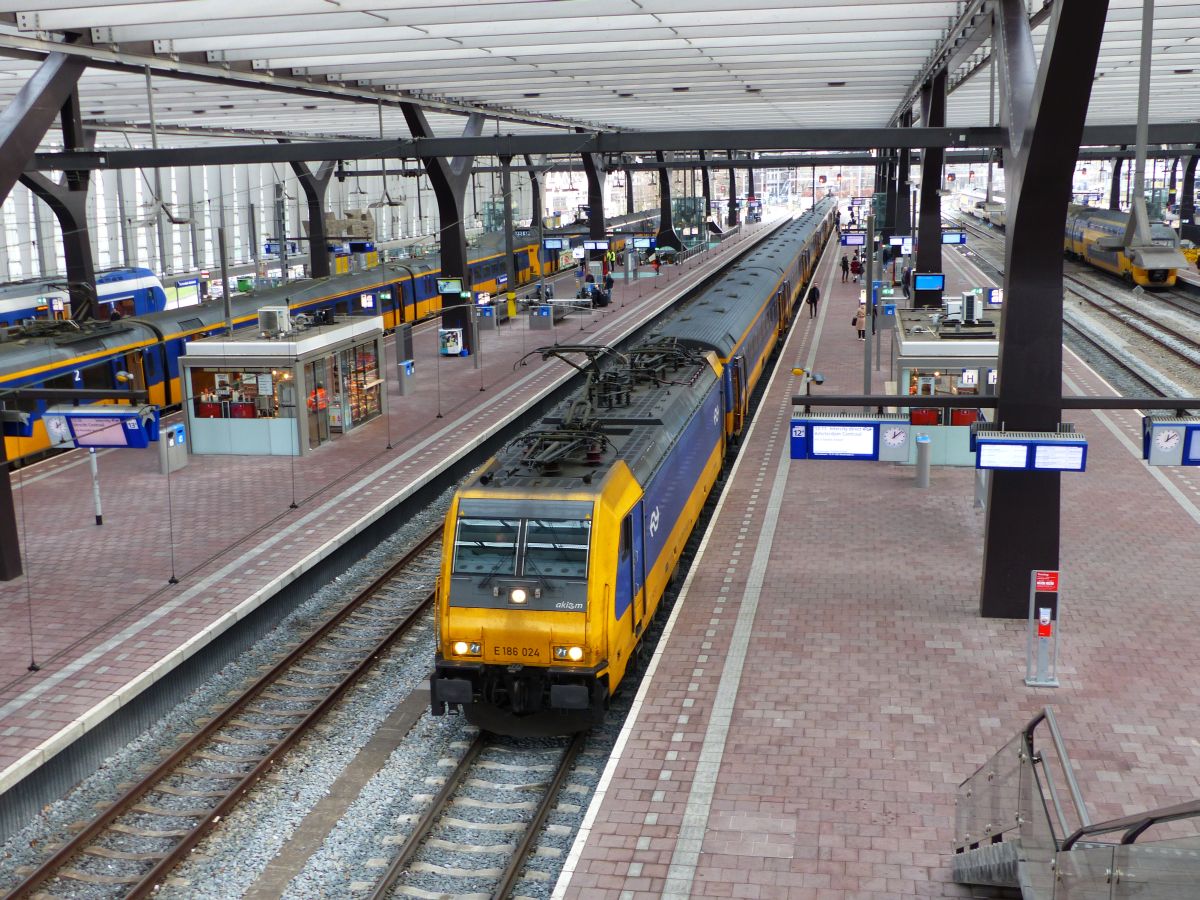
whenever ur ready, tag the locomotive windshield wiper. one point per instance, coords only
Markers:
(495, 570)
(542, 579)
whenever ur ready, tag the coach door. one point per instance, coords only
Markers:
(737, 384)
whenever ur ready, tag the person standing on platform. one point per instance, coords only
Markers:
(845, 268)
(856, 267)
(579, 273)
(860, 321)
(906, 281)
(814, 297)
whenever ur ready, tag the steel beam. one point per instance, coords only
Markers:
(903, 219)
(1187, 202)
(449, 178)
(731, 218)
(667, 235)
(314, 185)
(1114, 187)
(1046, 115)
(32, 111)
(68, 200)
(597, 175)
(556, 143)
(929, 224)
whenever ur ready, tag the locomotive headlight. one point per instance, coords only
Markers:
(462, 648)
(518, 596)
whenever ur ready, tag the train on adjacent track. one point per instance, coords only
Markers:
(147, 344)
(129, 291)
(1096, 237)
(558, 551)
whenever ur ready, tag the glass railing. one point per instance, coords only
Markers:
(1020, 821)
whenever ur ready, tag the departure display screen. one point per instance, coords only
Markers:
(843, 441)
(1003, 456)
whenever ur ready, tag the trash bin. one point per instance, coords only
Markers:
(172, 448)
(407, 377)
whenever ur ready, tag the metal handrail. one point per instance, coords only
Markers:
(1047, 715)
(1134, 825)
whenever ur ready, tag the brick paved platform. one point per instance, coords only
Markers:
(95, 609)
(826, 681)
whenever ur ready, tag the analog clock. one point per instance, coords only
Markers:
(895, 437)
(1166, 438)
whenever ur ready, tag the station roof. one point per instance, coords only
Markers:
(336, 68)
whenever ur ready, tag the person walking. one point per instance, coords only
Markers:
(845, 268)
(860, 321)
(814, 297)
(856, 267)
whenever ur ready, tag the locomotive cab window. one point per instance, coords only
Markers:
(486, 547)
(557, 548)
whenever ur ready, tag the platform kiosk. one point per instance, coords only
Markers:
(283, 388)
(937, 353)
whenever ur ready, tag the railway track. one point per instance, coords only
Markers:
(131, 846)
(1145, 341)
(479, 829)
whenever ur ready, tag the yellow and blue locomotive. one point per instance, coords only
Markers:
(558, 551)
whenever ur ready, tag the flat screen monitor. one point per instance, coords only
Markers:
(854, 240)
(1003, 456)
(595, 245)
(897, 240)
(1059, 457)
(449, 285)
(643, 243)
(553, 243)
(954, 237)
(929, 281)
(843, 440)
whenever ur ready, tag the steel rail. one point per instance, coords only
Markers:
(424, 825)
(149, 883)
(508, 878)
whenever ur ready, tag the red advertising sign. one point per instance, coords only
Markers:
(1045, 582)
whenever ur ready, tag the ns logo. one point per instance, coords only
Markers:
(654, 521)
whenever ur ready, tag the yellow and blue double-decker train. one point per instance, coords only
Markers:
(1097, 237)
(557, 553)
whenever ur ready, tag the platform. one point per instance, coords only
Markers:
(825, 681)
(95, 610)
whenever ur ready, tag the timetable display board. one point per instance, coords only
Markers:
(1030, 451)
(872, 438)
(106, 425)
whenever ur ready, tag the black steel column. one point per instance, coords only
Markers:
(903, 220)
(629, 192)
(1043, 108)
(710, 225)
(33, 110)
(929, 224)
(1187, 201)
(893, 172)
(314, 185)
(449, 178)
(731, 218)
(68, 199)
(667, 235)
(510, 262)
(1114, 187)
(1173, 182)
(536, 212)
(594, 169)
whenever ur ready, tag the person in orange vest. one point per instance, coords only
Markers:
(318, 399)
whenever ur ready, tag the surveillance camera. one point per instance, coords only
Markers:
(124, 377)
(818, 378)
